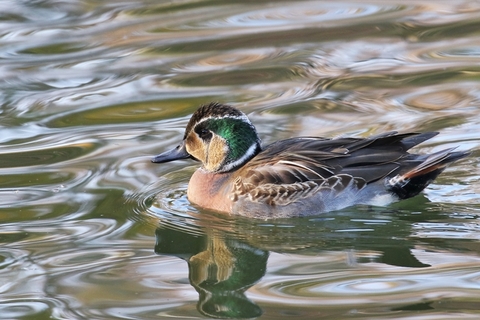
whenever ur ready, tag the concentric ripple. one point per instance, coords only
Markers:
(372, 284)
(228, 61)
(301, 13)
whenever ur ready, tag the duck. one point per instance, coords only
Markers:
(300, 176)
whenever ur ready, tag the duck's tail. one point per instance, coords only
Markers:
(413, 181)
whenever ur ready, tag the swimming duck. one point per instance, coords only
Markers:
(298, 176)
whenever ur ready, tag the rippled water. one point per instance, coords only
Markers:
(90, 90)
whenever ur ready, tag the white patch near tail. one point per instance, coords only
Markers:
(382, 200)
(398, 180)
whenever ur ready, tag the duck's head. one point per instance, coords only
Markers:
(219, 136)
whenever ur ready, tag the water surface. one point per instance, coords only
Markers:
(90, 90)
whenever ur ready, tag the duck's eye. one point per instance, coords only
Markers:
(205, 134)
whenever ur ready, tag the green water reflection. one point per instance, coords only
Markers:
(220, 270)
(226, 256)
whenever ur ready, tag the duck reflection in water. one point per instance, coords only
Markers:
(224, 264)
(220, 270)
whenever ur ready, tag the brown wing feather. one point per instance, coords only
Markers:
(295, 168)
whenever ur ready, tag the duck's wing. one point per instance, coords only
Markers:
(295, 168)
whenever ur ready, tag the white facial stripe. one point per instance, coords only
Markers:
(250, 152)
(244, 118)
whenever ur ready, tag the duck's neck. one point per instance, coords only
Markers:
(247, 155)
(209, 190)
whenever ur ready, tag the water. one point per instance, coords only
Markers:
(90, 90)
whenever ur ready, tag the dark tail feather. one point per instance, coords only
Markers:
(418, 138)
(413, 181)
(407, 140)
(435, 161)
